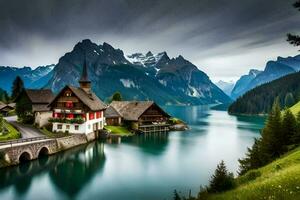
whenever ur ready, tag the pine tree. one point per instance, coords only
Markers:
(222, 180)
(296, 137)
(1, 124)
(289, 100)
(117, 96)
(176, 195)
(294, 39)
(289, 127)
(17, 88)
(272, 135)
(254, 158)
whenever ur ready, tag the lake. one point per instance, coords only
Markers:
(140, 167)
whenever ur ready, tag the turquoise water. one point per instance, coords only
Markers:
(141, 167)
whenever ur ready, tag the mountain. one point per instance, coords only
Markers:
(241, 85)
(137, 76)
(33, 78)
(260, 99)
(272, 71)
(226, 87)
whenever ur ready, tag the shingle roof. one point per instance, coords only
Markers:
(40, 96)
(40, 107)
(131, 110)
(90, 100)
(111, 112)
(5, 107)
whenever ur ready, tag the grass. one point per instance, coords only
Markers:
(278, 180)
(295, 109)
(12, 133)
(118, 130)
(53, 135)
(174, 120)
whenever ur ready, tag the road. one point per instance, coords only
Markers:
(26, 130)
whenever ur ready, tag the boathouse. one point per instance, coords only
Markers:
(142, 116)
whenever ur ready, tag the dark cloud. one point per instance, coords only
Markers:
(35, 32)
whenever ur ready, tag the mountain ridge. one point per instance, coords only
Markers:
(177, 80)
(273, 70)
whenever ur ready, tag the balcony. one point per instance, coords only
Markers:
(67, 121)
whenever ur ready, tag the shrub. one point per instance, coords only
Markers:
(250, 176)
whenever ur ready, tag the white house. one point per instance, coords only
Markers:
(78, 110)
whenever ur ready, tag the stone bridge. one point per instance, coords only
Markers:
(24, 150)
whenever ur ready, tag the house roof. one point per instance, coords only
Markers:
(132, 110)
(111, 112)
(40, 96)
(89, 99)
(5, 107)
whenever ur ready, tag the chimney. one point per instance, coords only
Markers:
(84, 81)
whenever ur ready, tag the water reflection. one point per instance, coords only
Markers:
(69, 171)
(154, 143)
(78, 169)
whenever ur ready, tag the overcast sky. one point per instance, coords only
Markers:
(224, 38)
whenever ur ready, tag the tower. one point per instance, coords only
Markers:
(84, 81)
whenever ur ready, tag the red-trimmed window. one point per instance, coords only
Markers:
(70, 116)
(98, 115)
(91, 116)
(69, 104)
(56, 115)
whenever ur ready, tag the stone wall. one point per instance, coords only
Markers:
(71, 141)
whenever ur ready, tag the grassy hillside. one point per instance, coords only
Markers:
(278, 180)
(296, 108)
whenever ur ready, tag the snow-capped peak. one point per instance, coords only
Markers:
(148, 60)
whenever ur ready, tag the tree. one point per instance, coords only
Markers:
(176, 195)
(117, 96)
(254, 158)
(296, 137)
(24, 109)
(272, 143)
(221, 180)
(1, 124)
(289, 126)
(294, 39)
(17, 87)
(289, 100)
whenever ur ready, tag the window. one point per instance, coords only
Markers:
(68, 94)
(76, 127)
(98, 115)
(69, 104)
(56, 115)
(70, 116)
(68, 127)
(59, 126)
(89, 126)
(91, 116)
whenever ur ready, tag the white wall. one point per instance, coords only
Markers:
(42, 118)
(85, 128)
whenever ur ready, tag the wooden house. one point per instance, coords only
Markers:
(143, 116)
(6, 108)
(34, 103)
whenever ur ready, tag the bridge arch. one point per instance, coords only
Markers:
(44, 151)
(25, 156)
